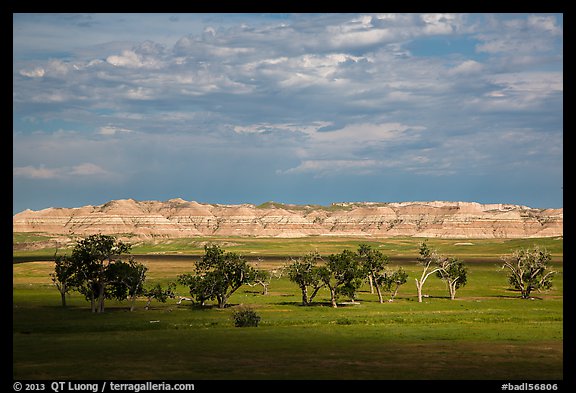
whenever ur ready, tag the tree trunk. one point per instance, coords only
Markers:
(371, 281)
(379, 293)
(221, 301)
(100, 304)
(304, 295)
(419, 288)
(92, 302)
(420, 284)
(333, 297)
(526, 292)
(311, 298)
(452, 287)
(63, 296)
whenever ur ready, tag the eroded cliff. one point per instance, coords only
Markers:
(180, 218)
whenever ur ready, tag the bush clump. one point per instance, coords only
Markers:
(246, 317)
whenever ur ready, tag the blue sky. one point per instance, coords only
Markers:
(294, 108)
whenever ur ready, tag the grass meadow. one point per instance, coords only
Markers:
(487, 332)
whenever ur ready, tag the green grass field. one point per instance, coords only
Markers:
(488, 332)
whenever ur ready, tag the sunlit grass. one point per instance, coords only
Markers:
(487, 332)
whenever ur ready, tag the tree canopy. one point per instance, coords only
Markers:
(528, 270)
(98, 269)
(218, 275)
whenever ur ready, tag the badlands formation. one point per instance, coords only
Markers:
(180, 218)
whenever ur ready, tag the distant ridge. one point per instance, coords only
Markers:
(180, 218)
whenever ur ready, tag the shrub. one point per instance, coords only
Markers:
(246, 317)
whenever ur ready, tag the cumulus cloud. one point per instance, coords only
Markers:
(37, 72)
(147, 55)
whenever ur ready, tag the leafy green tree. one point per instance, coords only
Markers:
(218, 275)
(392, 280)
(63, 276)
(528, 270)
(158, 293)
(454, 273)
(374, 262)
(92, 262)
(305, 272)
(343, 274)
(449, 269)
(262, 278)
(127, 280)
(202, 287)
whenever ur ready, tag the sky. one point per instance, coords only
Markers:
(292, 108)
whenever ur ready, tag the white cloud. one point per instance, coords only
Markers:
(33, 172)
(87, 169)
(360, 148)
(520, 91)
(362, 134)
(112, 130)
(41, 172)
(127, 59)
(260, 128)
(537, 83)
(536, 33)
(439, 24)
(37, 72)
(131, 59)
(341, 39)
(544, 23)
(334, 167)
(140, 93)
(468, 67)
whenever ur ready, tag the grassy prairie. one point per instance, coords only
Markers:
(255, 247)
(486, 333)
(327, 245)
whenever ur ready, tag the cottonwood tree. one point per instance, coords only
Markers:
(374, 264)
(454, 273)
(528, 270)
(95, 270)
(127, 280)
(158, 293)
(428, 260)
(343, 274)
(262, 278)
(63, 276)
(202, 287)
(218, 275)
(305, 272)
(392, 280)
(92, 266)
